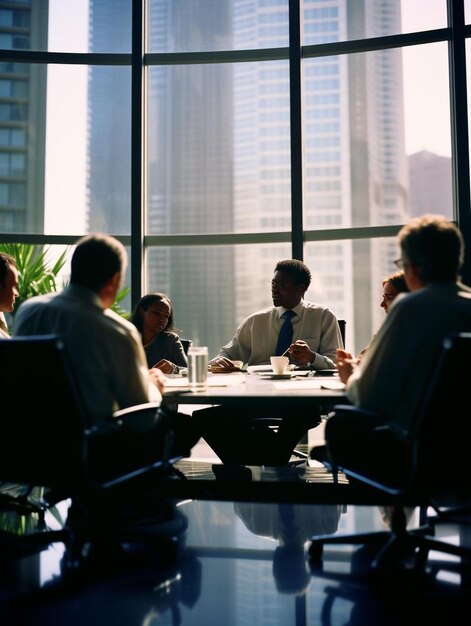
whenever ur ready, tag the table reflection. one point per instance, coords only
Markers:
(291, 526)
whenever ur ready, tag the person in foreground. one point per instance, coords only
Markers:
(105, 350)
(153, 318)
(238, 437)
(398, 365)
(8, 290)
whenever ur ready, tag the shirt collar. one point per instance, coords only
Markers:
(3, 325)
(84, 294)
(297, 309)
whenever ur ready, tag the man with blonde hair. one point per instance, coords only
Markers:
(400, 360)
(396, 370)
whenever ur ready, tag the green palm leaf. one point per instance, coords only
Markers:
(36, 274)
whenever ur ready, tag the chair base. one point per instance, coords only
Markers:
(395, 549)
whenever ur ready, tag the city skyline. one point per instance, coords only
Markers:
(63, 179)
(218, 146)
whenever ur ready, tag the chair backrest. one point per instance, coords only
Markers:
(342, 325)
(43, 415)
(186, 343)
(441, 428)
(46, 437)
(431, 458)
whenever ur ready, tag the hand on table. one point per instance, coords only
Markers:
(167, 367)
(223, 364)
(158, 378)
(346, 363)
(301, 353)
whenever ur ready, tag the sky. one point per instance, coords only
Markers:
(65, 142)
(421, 66)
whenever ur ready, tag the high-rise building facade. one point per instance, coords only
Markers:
(190, 144)
(109, 120)
(430, 183)
(23, 26)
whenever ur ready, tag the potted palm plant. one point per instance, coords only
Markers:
(38, 275)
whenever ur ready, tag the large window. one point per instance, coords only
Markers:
(235, 133)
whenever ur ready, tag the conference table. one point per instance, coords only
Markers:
(307, 481)
(259, 389)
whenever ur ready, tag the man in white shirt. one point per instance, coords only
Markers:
(396, 370)
(316, 333)
(105, 350)
(240, 437)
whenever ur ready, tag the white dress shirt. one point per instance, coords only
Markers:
(308, 519)
(398, 365)
(256, 338)
(4, 334)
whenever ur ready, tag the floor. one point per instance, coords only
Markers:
(191, 562)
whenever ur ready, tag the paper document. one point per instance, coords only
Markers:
(309, 383)
(216, 380)
(254, 369)
(225, 380)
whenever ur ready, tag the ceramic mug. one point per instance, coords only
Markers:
(279, 364)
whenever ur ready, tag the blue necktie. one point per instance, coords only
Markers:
(286, 333)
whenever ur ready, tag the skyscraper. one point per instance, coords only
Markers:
(22, 118)
(190, 168)
(430, 183)
(109, 120)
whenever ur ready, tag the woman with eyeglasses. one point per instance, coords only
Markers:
(393, 285)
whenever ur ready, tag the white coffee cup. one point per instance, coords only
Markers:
(279, 364)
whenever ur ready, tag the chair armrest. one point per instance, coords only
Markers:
(351, 409)
(135, 419)
(384, 424)
(106, 446)
(146, 406)
(140, 418)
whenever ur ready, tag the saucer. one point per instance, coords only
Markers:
(276, 376)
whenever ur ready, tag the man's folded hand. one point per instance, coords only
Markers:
(223, 365)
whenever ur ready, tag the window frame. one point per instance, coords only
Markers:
(455, 34)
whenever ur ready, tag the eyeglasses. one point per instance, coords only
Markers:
(400, 263)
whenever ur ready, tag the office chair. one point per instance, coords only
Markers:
(47, 441)
(186, 343)
(302, 457)
(275, 423)
(425, 466)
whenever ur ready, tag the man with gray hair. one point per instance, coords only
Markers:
(394, 374)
